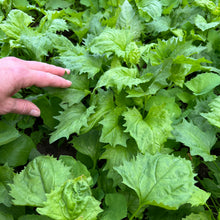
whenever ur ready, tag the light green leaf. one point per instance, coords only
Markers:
(203, 83)
(82, 63)
(214, 115)
(199, 197)
(199, 142)
(75, 202)
(16, 23)
(33, 217)
(120, 77)
(111, 41)
(199, 216)
(149, 133)
(112, 131)
(75, 93)
(155, 179)
(117, 207)
(16, 153)
(202, 24)
(8, 133)
(149, 8)
(77, 168)
(40, 176)
(57, 4)
(129, 20)
(72, 119)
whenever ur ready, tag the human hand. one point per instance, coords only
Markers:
(16, 74)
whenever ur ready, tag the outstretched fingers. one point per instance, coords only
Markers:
(34, 65)
(44, 79)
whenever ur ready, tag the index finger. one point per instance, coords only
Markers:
(34, 65)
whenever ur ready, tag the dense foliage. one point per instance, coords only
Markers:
(143, 111)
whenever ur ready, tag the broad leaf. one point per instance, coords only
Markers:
(8, 133)
(41, 176)
(199, 142)
(203, 83)
(214, 115)
(155, 179)
(149, 133)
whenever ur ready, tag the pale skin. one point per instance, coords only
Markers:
(16, 74)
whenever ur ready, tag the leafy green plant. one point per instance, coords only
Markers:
(142, 112)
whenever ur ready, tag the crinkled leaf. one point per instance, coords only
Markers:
(40, 176)
(214, 115)
(155, 179)
(16, 153)
(203, 83)
(57, 4)
(75, 202)
(199, 142)
(8, 133)
(72, 119)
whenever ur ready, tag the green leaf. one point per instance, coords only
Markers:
(112, 131)
(16, 23)
(117, 207)
(88, 144)
(199, 142)
(57, 4)
(129, 20)
(120, 77)
(199, 197)
(75, 93)
(199, 216)
(150, 133)
(203, 83)
(214, 115)
(77, 168)
(41, 176)
(202, 24)
(82, 63)
(111, 41)
(75, 202)
(149, 8)
(155, 179)
(72, 119)
(8, 133)
(34, 217)
(16, 153)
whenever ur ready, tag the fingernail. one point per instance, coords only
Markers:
(69, 82)
(35, 113)
(68, 71)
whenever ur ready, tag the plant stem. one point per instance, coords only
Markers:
(136, 212)
(210, 211)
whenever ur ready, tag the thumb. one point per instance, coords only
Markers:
(23, 107)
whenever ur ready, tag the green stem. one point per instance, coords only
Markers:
(210, 211)
(136, 212)
(213, 201)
